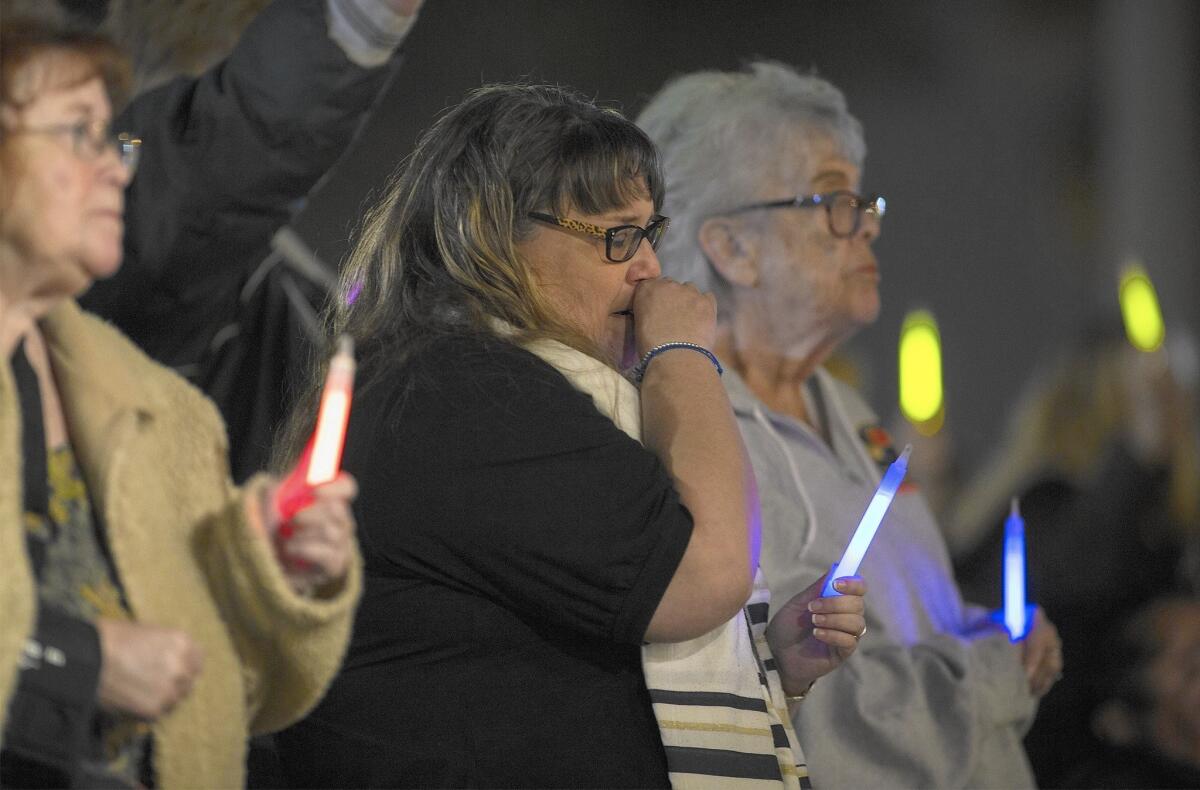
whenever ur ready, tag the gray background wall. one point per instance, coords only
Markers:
(1025, 147)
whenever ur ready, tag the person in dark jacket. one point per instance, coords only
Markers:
(228, 155)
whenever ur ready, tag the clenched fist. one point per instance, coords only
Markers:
(145, 670)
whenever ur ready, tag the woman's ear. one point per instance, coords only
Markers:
(731, 250)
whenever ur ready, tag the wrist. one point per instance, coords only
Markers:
(639, 370)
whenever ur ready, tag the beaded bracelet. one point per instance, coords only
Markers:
(639, 370)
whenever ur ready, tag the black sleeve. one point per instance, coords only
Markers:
(50, 715)
(1105, 518)
(493, 475)
(1108, 518)
(224, 157)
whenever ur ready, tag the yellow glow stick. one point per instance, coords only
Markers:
(920, 367)
(1139, 308)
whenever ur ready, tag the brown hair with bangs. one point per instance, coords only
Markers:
(437, 252)
(36, 57)
(23, 42)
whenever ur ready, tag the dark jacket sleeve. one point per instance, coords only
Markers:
(1111, 518)
(224, 158)
(50, 715)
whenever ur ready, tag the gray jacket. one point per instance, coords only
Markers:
(930, 699)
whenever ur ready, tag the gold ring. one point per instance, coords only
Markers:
(862, 632)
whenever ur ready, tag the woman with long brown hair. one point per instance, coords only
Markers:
(557, 560)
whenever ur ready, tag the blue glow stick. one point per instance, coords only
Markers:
(869, 523)
(1014, 574)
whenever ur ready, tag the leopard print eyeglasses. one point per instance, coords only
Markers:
(621, 242)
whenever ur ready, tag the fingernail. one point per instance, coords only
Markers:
(815, 606)
(839, 585)
(819, 632)
(818, 619)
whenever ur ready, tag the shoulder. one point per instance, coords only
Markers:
(458, 388)
(849, 399)
(470, 369)
(130, 374)
(494, 358)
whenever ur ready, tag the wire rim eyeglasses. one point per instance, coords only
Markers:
(90, 139)
(621, 242)
(843, 208)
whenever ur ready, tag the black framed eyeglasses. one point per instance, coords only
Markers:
(620, 243)
(844, 208)
(90, 139)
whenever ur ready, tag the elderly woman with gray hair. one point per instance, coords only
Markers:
(765, 167)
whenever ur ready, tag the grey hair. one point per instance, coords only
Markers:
(718, 133)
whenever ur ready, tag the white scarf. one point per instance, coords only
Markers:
(717, 698)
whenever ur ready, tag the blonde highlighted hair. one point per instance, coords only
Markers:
(438, 253)
(1069, 419)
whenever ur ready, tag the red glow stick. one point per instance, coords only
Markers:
(322, 458)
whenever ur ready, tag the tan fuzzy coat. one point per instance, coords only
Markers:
(153, 449)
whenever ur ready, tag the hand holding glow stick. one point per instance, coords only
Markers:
(322, 458)
(869, 523)
(1015, 616)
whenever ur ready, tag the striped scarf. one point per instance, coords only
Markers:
(717, 698)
